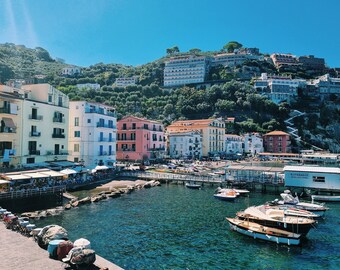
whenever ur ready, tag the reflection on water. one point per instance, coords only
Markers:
(172, 227)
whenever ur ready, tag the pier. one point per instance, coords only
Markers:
(251, 177)
(19, 252)
(173, 177)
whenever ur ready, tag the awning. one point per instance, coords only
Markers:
(9, 122)
(97, 168)
(14, 177)
(3, 182)
(37, 175)
(53, 173)
(68, 171)
(63, 163)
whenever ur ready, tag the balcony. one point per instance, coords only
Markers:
(34, 152)
(102, 153)
(8, 130)
(35, 117)
(54, 153)
(58, 136)
(101, 125)
(35, 134)
(58, 120)
(157, 149)
(128, 150)
(108, 113)
(6, 110)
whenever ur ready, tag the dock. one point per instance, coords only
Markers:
(21, 253)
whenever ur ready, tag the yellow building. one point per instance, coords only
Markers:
(34, 124)
(212, 131)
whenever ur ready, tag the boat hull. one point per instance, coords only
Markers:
(224, 197)
(265, 236)
(325, 198)
(302, 229)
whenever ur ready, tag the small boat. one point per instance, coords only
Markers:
(226, 195)
(290, 211)
(193, 186)
(325, 198)
(277, 219)
(258, 231)
(289, 200)
(241, 191)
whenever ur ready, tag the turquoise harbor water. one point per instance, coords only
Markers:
(172, 227)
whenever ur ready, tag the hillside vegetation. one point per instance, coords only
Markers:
(235, 98)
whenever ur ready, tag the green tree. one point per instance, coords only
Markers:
(231, 46)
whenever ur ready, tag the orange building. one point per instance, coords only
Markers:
(212, 131)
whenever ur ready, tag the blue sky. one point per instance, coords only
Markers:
(134, 32)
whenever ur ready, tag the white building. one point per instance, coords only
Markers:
(281, 88)
(253, 143)
(321, 178)
(95, 86)
(123, 82)
(185, 70)
(185, 144)
(234, 144)
(92, 133)
(34, 123)
(234, 59)
(70, 71)
(327, 85)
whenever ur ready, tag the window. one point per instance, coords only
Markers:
(76, 147)
(76, 121)
(133, 125)
(110, 124)
(124, 126)
(319, 179)
(77, 134)
(49, 98)
(89, 121)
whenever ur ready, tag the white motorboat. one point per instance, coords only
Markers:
(289, 200)
(227, 195)
(193, 186)
(288, 211)
(325, 198)
(258, 231)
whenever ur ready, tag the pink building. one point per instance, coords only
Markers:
(277, 142)
(139, 139)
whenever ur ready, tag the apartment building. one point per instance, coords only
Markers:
(186, 70)
(34, 124)
(92, 133)
(212, 131)
(277, 142)
(123, 82)
(140, 139)
(94, 86)
(288, 61)
(186, 144)
(327, 85)
(234, 59)
(312, 63)
(234, 144)
(70, 71)
(279, 88)
(253, 143)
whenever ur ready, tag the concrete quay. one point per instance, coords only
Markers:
(19, 252)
